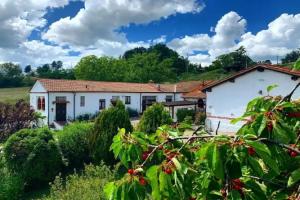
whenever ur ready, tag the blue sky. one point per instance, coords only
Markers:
(35, 32)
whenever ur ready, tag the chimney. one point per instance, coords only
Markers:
(158, 86)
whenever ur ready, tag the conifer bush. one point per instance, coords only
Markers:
(106, 127)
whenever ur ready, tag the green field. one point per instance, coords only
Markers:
(11, 95)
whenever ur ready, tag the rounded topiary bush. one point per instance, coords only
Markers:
(106, 127)
(34, 155)
(74, 144)
(153, 117)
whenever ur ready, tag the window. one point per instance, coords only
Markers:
(41, 103)
(82, 101)
(101, 104)
(169, 98)
(127, 99)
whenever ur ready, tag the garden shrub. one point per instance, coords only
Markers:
(88, 185)
(34, 155)
(183, 113)
(11, 185)
(14, 117)
(153, 117)
(87, 117)
(74, 144)
(106, 127)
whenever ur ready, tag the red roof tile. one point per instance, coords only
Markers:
(184, 86)
(276, 68)
(60, 85)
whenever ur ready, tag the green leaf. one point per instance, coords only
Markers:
(164, 184)
(256, 167)
(294, 178)
(215, 161)
(234, 168)
(259, 147)
(109, 190)
(176, 163)
(271, 87)
(262, 126)
(280, 134)
(152, 174)
(296, 66)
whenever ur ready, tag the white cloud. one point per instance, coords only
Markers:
(281, 37)
(101, 20)
(18, 18)
(35, 53)
(228, 30)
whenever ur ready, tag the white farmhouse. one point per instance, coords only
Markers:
(60, 101)
(227, 99)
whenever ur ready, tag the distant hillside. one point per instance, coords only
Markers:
(210, 75)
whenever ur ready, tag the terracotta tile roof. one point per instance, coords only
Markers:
(276, 68)
(60, 85)
(195, 94)
(184, 86)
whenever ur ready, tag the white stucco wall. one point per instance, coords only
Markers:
(39, 91)
(91, 101)
(229, 100)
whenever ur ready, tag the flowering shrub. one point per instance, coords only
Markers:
(260, 162)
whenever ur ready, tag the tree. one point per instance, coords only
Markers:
(153, 117)
(10, 75)
(106, 127)
(27, 69)
(260, 162)
(130, 53)
(56, 65)
(291, 57)
(55, 71)
(233, 61)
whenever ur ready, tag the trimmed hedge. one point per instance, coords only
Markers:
(34, 155)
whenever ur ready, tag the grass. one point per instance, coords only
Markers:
(12, 95)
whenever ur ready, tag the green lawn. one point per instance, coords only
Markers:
(11, 95)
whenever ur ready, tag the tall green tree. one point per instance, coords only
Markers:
(10, 75)
(291, 57)
(233, 61)
(27, 69)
